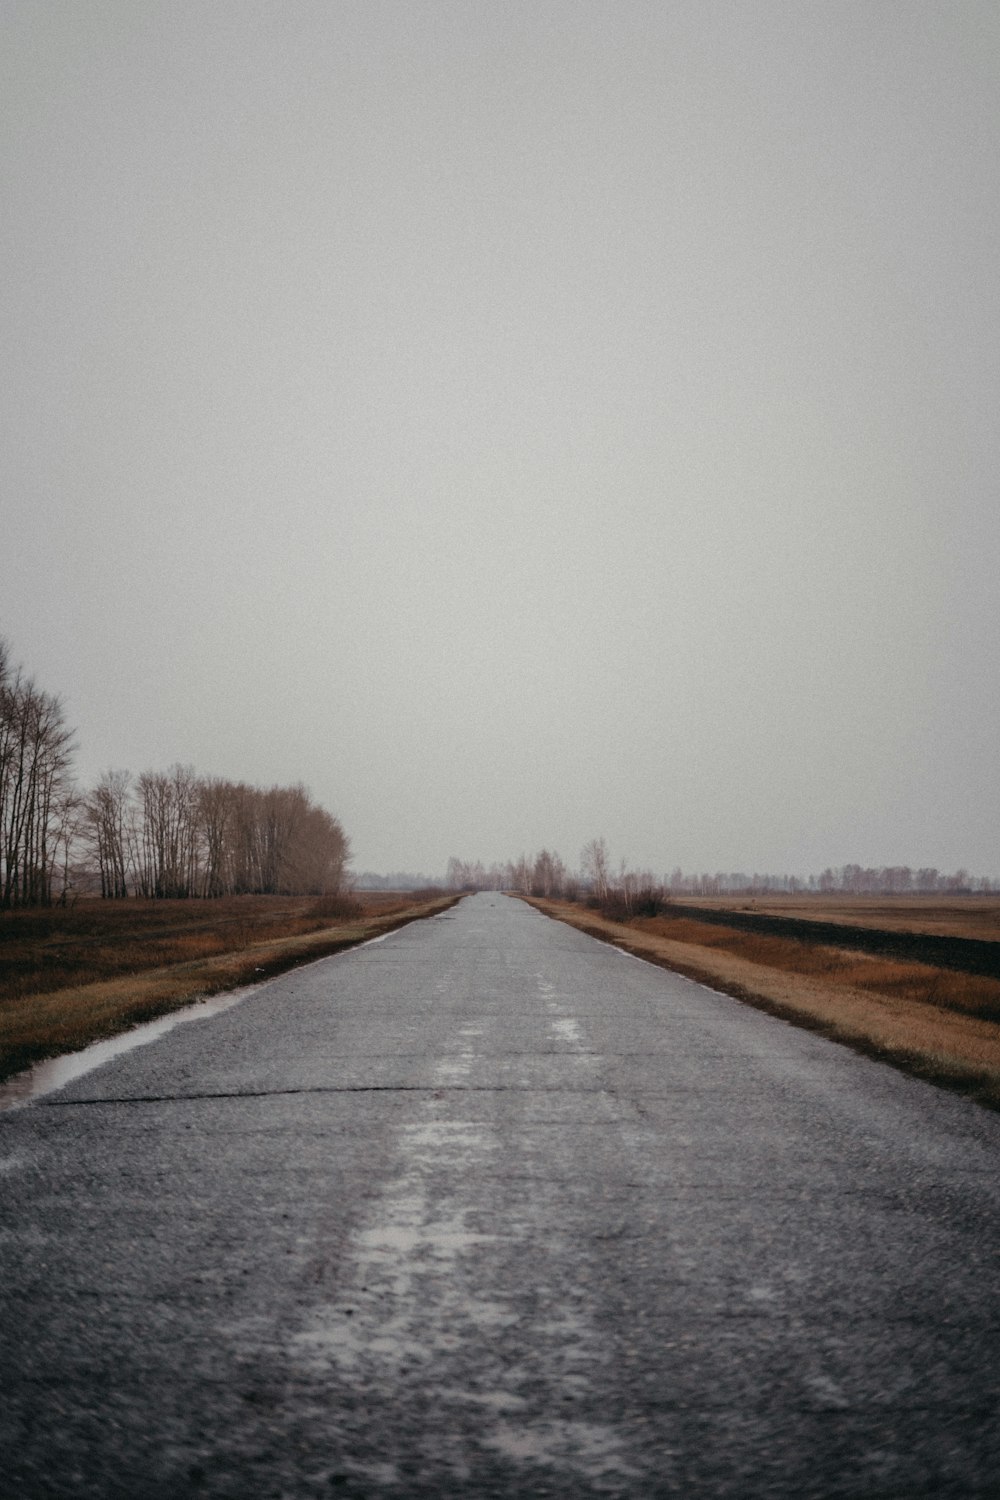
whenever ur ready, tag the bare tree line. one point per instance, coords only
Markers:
(630, 891)
(542, 874)
(159, 835)
(170, 834)
(37, 800)
(851, 879)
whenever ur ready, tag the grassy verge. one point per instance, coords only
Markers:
(46, 1022)
(930, 1023)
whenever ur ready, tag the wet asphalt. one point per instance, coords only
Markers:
(487, 1208)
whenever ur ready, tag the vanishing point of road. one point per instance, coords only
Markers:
(487, 1208)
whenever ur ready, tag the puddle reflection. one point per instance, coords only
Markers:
(57, 1072)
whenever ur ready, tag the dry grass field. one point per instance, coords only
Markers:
(68, 978)
(938, 1023)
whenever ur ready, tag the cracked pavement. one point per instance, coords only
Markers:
(491, 1209)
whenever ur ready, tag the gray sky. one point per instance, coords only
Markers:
(519, 422)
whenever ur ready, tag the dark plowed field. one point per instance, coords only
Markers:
(967, 955)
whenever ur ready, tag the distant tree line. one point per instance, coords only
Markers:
(641, 891)
(855, 880)
(542, 874)
(159, 835)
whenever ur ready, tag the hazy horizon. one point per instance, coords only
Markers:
(517, 424)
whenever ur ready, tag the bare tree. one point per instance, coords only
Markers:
(217, 821)
(35, 754)
(169, 832)
(316, 858)
(69, 829)
(595, 864)
(548, 875)
(109, 824)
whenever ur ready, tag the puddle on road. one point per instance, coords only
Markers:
(57, 1072)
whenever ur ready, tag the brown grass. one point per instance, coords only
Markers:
(932, 1022)
(970, 994)
(68, 979)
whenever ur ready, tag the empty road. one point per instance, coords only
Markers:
(487, 1208)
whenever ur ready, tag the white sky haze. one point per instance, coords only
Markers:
(518, 422)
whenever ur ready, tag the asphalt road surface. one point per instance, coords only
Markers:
(487, 1208)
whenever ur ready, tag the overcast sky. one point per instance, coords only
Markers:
(517, 421)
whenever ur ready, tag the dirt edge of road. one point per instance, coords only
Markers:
(41, 1026)
(955, 1051)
